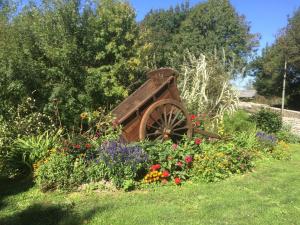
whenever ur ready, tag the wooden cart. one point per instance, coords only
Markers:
(154, 111)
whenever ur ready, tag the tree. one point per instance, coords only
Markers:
(69, 56)
(207, 27)
(160, 27)
(269, 68)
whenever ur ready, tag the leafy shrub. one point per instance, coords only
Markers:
(220, 160)
(28, 150)
(267, 120)
(238, 122)
(55, 172)
(246, 140)
(170, 161)
(23, 123)
(281, 151)
(96, 171)
(125, 162)
(286, 135)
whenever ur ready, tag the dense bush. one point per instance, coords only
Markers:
(285, 134)
(220, 160)
(55, 172)
(267, 120)
(238, 122)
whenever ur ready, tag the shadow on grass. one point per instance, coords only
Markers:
(48, 214)
(12, 187)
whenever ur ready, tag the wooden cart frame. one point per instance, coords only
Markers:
(154, 111)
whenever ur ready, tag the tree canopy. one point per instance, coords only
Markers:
(207, 27)
(269, 68)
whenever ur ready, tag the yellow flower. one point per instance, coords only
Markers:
(84, 115)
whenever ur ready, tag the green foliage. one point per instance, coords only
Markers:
(220, 160)
(267, 120)
(68, 55)
(96, 171)
(285, 134)
(269, 68)
(55, 173)
(27, 151)
(238, 122)
(204, 28)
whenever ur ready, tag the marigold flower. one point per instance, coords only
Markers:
(165, 173)
(188, 159)
(177, 180)
(88, 146)
(198, 141)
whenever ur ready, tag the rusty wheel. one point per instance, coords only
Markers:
(165, 119)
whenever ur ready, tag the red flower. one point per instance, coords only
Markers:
(155, 167)
(177, 180)
(77, 146)
(174, 146)
(166, 173)
(198, 141)
(192, 117)
(188, 159)
(88, 146)
(179, 164)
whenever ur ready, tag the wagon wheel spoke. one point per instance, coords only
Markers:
(157, 121)
(158, 110)
(159, 138)
(177, 134)
(154, 127)
(165, 115)
(181, 128)
(174, 119)
(155, 133)
(170, 117)
(178, 122)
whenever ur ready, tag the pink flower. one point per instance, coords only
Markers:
(188, 159)
(174, 146)
(179, 164)
(198, 141)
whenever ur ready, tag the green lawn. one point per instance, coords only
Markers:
(269, 195)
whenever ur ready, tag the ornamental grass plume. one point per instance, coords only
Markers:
(205, 86)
